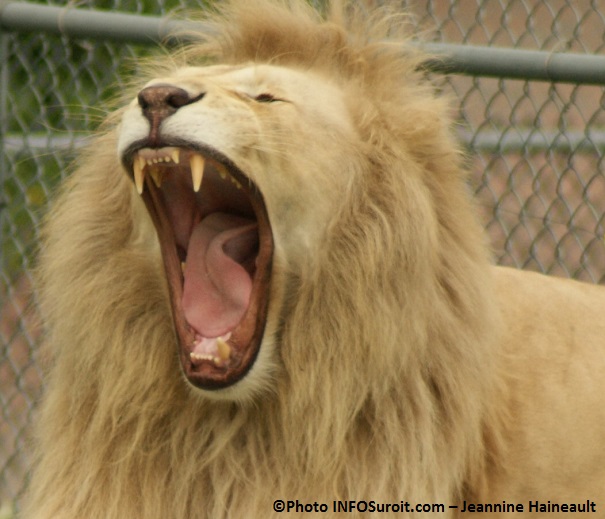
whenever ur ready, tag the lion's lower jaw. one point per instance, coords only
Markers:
(258, 381)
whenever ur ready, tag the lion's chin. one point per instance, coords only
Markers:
(217, 248)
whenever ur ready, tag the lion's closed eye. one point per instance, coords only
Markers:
(267, 98)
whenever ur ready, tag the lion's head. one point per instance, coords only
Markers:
(220, 155)
(300, 151)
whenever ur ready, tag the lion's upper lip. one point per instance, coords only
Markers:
(217, 248)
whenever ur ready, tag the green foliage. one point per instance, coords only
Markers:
(6, 512)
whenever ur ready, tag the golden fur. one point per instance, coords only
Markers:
(401, 364)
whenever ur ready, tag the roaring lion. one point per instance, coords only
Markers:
(265, 289)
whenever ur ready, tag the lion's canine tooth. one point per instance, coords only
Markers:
(183, 265)
(224, 350)
(156, 175)
(139, 175)
(196, 163)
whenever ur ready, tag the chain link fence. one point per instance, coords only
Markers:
(535, 153)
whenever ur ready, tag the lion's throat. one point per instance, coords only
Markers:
(218, 273)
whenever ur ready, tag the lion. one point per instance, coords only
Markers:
(266, 292)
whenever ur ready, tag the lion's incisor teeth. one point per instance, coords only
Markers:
(175, 155)
(196, 163)
(139, 176)
(201, 356)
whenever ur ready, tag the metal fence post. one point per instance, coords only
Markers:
(4, 71)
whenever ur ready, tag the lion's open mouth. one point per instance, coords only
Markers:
(217, 247)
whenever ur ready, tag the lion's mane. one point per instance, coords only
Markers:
(386, 365)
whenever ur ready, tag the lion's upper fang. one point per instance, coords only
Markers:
(157, 162)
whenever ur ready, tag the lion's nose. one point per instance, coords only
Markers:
(161, 101)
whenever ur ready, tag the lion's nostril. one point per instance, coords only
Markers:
(177, 100)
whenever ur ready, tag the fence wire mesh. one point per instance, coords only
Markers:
(536, 153)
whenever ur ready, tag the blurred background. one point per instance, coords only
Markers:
(535, 152)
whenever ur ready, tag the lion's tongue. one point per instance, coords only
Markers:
(217, 287)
